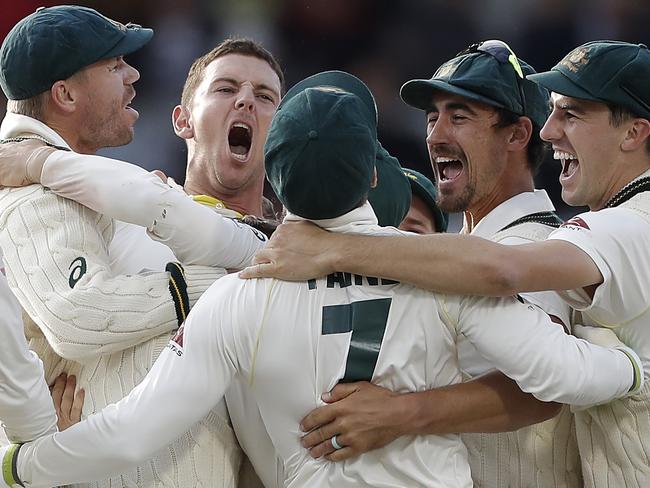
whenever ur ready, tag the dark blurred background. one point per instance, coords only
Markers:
(384, 42)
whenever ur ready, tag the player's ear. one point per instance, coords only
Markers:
(521, 132)
(63, 96)
(182, 122)
(636, 135)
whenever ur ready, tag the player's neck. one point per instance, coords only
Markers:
(480, 209)
(246, 201)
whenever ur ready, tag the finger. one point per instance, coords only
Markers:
(342, 454)
(68, 396)
(317, 418)
(257, 271)
(57, 391)
(322, 449)
(77, 406)
(263, 256)
(319, 435)
(340, 391)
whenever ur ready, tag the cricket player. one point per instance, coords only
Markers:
(97, 316)
(424, 215)
(341, 327)
(599, 128)
(127, 193)
(495, 131)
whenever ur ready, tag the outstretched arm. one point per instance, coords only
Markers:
(126, 192)
(170, 399)
(440, 262)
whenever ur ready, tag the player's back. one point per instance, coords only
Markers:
(348, 328)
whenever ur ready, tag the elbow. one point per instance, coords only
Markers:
(536, 412)
(503, 277)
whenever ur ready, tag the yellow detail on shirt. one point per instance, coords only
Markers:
(217, 204)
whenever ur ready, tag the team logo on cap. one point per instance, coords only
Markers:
(576, 59)
(447, 69)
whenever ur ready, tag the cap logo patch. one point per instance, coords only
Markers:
(447, 69)
(576, 59)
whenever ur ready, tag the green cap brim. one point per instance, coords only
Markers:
(558, 82)
(418, 93)
(134, 39)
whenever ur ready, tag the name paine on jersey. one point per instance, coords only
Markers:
(340, 279)
(343, 280)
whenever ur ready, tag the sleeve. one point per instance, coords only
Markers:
(188, 379)
(57, 266)
(126, 192)
(521, 341)
(26, 408)
(617, 240)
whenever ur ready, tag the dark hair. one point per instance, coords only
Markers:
(245, 47)
(536, 149)
(618, 115)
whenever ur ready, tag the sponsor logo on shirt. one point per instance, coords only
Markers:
(176, 343)
(576, 223)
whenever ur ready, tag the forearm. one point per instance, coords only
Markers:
(120, 436)
(462, 264)
(490, 403)
(443, 263)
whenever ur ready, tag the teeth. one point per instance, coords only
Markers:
(444, 160)
(563, 155)
(243, 126)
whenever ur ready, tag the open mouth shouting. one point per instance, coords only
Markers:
(240, 139)
(569, 164)
(449, 169)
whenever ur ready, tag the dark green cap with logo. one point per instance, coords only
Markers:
(424, 188)
(612, 72)
(482, 77)
(391, 198)
(320, 149)
(54, 43)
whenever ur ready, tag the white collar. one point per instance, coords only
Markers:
(356, 220)
(16, 125)
(512, 209)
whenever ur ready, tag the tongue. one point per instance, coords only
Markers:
(241, 150)
(452, 169)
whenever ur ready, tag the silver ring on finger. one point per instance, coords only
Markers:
(335, 443)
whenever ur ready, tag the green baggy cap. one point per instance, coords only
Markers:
(483, 77)
(612, 72)
(391, 198)
(54, 43)
(320, 150)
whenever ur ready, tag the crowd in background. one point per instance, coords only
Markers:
(383, 42)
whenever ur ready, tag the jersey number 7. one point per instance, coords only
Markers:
(367, 320)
